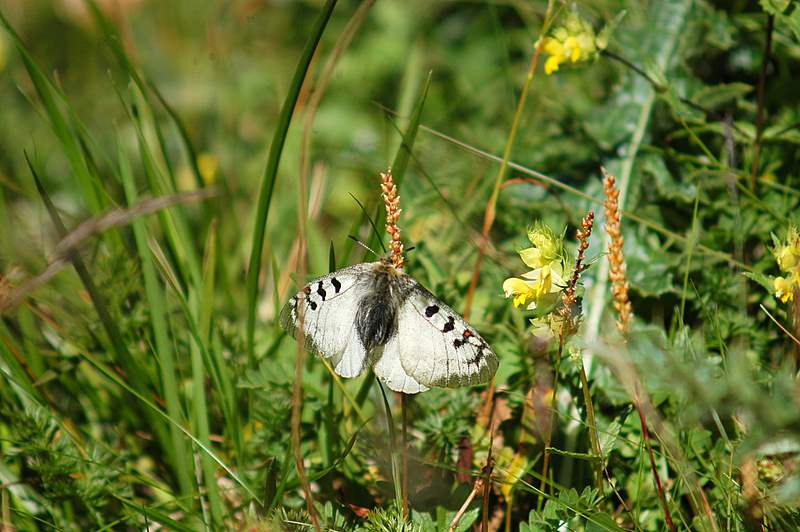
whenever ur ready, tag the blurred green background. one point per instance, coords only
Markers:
(671, 107)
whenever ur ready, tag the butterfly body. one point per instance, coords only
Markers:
(373, 314)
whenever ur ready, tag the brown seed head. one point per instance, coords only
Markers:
(582, 234)
(391, 201)
(617, 270)
(569, 299)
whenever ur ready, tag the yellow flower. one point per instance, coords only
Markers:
(574, 41)
(784, 289)
(551, 65)
(546, 247)
(787, 255)
(518, 288)
(535, 285)
(546, 257)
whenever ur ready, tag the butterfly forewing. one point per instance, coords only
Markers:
(437, 347)
(329, 305)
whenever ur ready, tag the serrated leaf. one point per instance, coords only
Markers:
(653, 165)
(608, 437)
(761, 279)
(714, 96)
(551, 510)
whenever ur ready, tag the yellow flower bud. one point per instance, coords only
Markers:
(788, 258)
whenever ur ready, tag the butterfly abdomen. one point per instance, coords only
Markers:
(376, 318)
(376, 322)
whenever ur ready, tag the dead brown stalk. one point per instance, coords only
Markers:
(619, 291)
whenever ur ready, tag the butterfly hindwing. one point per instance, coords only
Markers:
(389, 369)
(329, 306)
(437, 347)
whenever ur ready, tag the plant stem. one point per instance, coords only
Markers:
(659, 487)
(762, 78)
(398, 490)
(404, 436)
(592, 423)
(491, 206)
(553, 420)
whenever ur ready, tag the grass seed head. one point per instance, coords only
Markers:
(617, 271)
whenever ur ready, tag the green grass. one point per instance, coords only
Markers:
(148, 381)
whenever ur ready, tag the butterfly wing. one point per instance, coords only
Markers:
(436, 346)
(389, 369)
(329, 306)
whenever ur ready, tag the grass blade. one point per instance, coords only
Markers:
(271, 171)
(139, 378)
(53, 100)
(199, 407)
(178, 451)
(398, 488)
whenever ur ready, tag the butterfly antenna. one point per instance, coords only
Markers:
(362, 244)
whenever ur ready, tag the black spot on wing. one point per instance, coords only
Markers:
(337, 285)
(476, 358)
(312, 305)
(321, 291)
(430, 311)
(450, 325)
(458, 343)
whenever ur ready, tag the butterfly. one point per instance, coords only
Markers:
(373, 314)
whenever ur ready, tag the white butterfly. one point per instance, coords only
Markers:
(373, 314)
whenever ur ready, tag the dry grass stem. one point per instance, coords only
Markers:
(70, 244)
(477, 488)
(619, 291)
(617, 273)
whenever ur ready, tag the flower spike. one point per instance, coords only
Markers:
(391, 200)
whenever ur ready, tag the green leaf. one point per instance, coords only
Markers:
(714, 96)
(653, 165)
(761, 279)
(648, 264)
(793, 21)
(774, 7)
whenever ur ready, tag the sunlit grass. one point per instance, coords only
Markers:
(145, 379)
